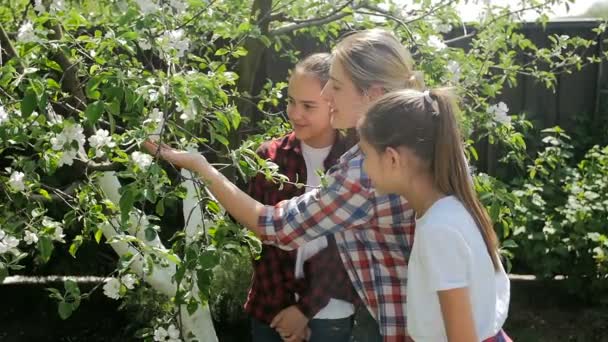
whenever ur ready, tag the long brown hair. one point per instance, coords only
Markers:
(426, 123)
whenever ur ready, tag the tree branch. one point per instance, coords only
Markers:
(70, 81)
(6, 45)
(284, 17)
(308, 23)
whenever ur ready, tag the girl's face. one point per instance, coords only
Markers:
(308, 112)
(346, 101)
(385, 169)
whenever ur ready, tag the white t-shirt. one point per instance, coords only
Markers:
(314, 158)
(448, 253)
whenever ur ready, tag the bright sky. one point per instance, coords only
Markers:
(473, 8)
(471, 11)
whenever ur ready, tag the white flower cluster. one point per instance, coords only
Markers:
(3, 115)
(453, 69)
(100, 140)
(171, 334)
(155, 116)
(499, 112)
(16, 181)
(436, 43)
(30, 237)
(26, 33)
(58, 235)
(147, 6)
(188, 113)
(56, 6)
(8, 243)
(142, 160)
(71, 132)
(112, 285)
(173, 41)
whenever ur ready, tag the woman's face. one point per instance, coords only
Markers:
(346, 101)
(307, 111)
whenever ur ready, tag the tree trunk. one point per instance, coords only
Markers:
(249, 65)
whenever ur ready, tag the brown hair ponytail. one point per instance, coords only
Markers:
(425, 122)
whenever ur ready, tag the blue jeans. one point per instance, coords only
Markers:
(366, 328)
(322, 330)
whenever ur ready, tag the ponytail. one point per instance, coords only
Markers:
(451, 171)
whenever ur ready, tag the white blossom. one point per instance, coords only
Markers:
(153, 95)
(155, 116)
(58, 234)
(26, 33)
(141, 159)
(169, 335)
(39, 7)
(443, 27)
(179, 5)
(144, 44)
(188, 113)
(147, 6)
(57, 6)
(67, 157)
(3, 115)
(436, 43)
(7, 242)
(101, 139)
(16, 181)
(112, 288)
(30, 237)
(499, 112)
(69, 134)
(128, 281)
(174, 40)
(454, 70)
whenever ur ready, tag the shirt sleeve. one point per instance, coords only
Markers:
(445, 257)
(344, 203)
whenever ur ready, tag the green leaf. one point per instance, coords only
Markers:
(126, 203)
(98, 235)
(65, 310)
(221, 52)
(208, 259)
(192, 306)
(45, 246)
(91, 88)
(28, 103)
(44, 193)
(94, 112)
(76, 243)
(53, 65)
(71, 287)
(160, 207)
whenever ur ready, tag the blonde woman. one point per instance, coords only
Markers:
(373, 232)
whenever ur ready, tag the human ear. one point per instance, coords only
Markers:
(375, 91)
(393, 157)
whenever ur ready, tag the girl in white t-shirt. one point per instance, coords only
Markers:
(457, 288)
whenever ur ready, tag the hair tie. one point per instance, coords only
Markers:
(431, 102)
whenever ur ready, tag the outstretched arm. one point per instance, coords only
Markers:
(240, 205)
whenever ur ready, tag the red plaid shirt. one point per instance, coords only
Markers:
(373, 232)
(274, 285)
